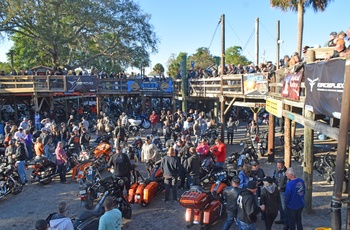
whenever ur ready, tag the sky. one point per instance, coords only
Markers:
(186, 25)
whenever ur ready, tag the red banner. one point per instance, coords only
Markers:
(291, 86)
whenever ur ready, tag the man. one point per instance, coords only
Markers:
(230, 195)
(219, 150)
(170, 166)
(20, 158)
(10, 151)
(37, 122)
(248, 209)
(46, 139)
(154, 119)
(84, 139)
(112, 218)
(280, 179)
(75, 140)
(19, 135)
(331, 42)
(193, 168)
(257, 174)
(61, 160)
(294, 195)
(24, 123)
(149, 151)
(60, 221)
(121, 165)
(85, 123)
(120, 134)
(203, 149)
(339, 50)
(41, 225)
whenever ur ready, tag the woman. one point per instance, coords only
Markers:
(197, 131)
(170, 165)
(270, 197)
(55, 135)
(230, 130)
(28, 140)
(244, 175)
(61, 160)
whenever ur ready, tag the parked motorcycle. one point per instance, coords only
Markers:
(211, 135)
(9, 180)
(143, 193)
(298, 148)
(205, 208)
(90, 219)
(141, 121)
(325, 166)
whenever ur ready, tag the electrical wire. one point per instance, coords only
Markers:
(217, 26)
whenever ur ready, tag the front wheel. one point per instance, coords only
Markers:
(146, 124)
(128, 212)
(88, 203)
(17, 188)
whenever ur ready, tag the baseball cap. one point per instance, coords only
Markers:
(333, 33)
(252, 185)
(254, 163)
(268, 179)
(43, 129)
(20, 128)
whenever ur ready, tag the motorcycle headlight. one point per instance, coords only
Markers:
(120, 182)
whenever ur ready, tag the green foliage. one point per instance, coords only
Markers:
(71, 33)
(202, 58)
(233, 56)
(158, 69)
(5, 67)
(285, 5)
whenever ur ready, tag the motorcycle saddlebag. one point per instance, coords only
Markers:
(132, 192)
(219, 188)
(194, 199)
(138, 198)
(150, 191)
(89, 224)
(212, 212)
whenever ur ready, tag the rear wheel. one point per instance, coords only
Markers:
(17, 188)
(89, 203)
(143, 204)
(46, 181)
(146, 124)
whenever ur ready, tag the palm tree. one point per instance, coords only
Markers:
(300, 6)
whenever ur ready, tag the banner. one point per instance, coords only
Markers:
(324, 83)
(81, 84)
(150, 86)
(255, 85)
(291, 86)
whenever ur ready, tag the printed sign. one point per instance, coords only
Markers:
(81, 84)
(255, 85)
(274, 107)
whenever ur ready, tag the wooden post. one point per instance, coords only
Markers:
(257, 41)
(222, 98)
(341, 153)
(308, 162)
(97, 107)
(184, 82)
(16, 108)
(216, 108)
(36, 102)
(287, 139)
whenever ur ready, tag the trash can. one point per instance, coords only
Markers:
(323, 228)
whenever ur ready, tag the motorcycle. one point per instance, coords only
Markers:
(134, 127)
(90, 219)
(101, 156)
(45, 170)
(207, 168)
(325, 166)
(115, 185)
(205, 208)
(140, 121)
(231, 164)
(298, 148)
(211, 135)
(9, 180)
(144, 192)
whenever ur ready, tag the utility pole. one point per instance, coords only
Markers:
(278, 45)
(222, 98)
(184, 83)
(257, 41)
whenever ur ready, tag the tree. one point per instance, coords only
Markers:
(202, 58)
(233, 56)
(300, 6)
(158, 69)
(76, 33)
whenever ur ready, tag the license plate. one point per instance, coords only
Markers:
(82, 192)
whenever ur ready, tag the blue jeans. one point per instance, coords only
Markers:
(38, 126)
(294, 218)
(30, 151)
(283, 211)
(229, 221)
(170, 184)
(246, 226)
(219, 164)
(21, 171)
(47, 152)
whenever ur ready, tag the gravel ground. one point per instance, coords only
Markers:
(36, 201)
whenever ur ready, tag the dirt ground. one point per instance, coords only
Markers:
(36, 201)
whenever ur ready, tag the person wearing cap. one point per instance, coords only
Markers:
(230, 195)
(331, 42)
(20, 157)
(339, 51)
(41, 225)
(219, 151)
(247, 208)
(271, 199)
(280, 179)
(47, 140)
(304, 57)
(60, 219)
(294, 195)
(19, 135)
(121, 165)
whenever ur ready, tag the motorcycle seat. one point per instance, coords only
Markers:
(88, 214)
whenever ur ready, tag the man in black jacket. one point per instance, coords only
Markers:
(280, 179)
(230, 195)
(170, 165)
(121, 165)
(248, 209)
(193, 167)
(20, 160)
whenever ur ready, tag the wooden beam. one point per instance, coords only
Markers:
(315, 125)
(229, 105)
(287, 139)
